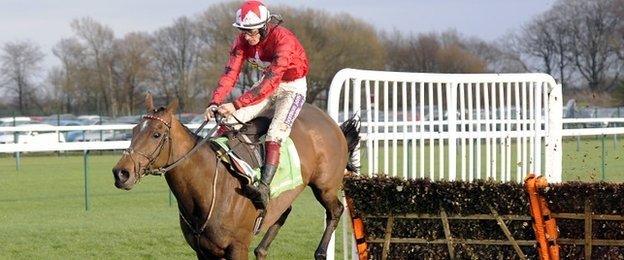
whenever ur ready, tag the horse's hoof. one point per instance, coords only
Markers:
(320, 255)
(261, 253)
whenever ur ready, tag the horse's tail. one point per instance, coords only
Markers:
(351, 131)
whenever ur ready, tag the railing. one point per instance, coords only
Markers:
(70, 146)
(453, 126)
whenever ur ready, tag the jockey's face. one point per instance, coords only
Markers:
(252, 36)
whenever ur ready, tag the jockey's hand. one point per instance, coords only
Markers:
(226, 109)
(210, 112)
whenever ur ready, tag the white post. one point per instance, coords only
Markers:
(554, 154)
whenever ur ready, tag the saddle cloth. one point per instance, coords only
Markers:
(287, 177)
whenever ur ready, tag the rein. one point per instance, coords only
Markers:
(164, 170)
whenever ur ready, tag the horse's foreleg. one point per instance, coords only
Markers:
(263, 248)
(333, 211)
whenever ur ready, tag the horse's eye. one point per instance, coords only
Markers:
(156, 135)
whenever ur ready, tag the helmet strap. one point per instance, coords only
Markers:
(264, 31)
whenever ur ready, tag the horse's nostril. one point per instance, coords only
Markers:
(121, 175)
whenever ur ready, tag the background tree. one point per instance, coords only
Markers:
(72, 80)
(176, 52)
(444, 53)
(98, 40)
(133, 56)
(593, 27)
(20, 63)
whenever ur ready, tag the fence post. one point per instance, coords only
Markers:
(603, 156)
(17, 161)
(17, 154)
(86, 178)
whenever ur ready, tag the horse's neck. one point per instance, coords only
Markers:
(197, 178)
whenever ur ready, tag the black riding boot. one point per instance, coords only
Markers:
(262, 193)
(264, 190)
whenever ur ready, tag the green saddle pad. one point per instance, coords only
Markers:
(288, 175)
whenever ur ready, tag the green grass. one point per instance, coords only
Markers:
(42, 215)
(42, 209)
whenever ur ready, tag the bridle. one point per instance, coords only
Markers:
(153, 156)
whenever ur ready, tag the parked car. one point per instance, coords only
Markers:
(33, 137)
(63, 122)
(128, 120)
(102, 135)
(93, 119)
(186, 118)
(14, 121)
(98, 135)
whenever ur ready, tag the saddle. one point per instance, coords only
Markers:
(246, 145)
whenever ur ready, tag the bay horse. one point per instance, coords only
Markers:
(216, 219)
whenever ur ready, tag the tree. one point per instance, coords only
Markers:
(98, 40)
(72, 80)
(444, 53)
(133, 57)
(20, 65)
(593, 27)
(215, 31)
(547, 38)
(176, 58)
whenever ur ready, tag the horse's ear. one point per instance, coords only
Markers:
(173, 106)
(149, 102)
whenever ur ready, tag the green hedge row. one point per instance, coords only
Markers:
(381, 195)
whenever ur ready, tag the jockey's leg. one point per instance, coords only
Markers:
(289, 100)
(244, 115)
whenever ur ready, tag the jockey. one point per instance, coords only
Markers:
(278, 54)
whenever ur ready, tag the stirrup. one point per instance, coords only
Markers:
(255, 194)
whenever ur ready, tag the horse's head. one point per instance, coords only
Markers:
(150, 148)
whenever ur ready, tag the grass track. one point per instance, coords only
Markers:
(42, 213)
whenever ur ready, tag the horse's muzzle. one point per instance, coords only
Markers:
(122, 178)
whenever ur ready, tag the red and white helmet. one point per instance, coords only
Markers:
(251, 15)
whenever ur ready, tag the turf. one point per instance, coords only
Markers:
(42, 215)
(42, 209)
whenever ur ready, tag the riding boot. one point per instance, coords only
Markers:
(263, 191)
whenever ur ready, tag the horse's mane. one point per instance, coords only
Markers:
(189, 131)
(160, 110)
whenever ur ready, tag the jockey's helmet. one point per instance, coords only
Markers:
(251, 15)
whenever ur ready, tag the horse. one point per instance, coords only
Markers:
(216, 218)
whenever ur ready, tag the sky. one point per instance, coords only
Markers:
(45, 22)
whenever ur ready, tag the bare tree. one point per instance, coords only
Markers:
(132, 54)
(99, 40)
(547, 38)
(72, 81)
(176, 58)
(215, 31)
(447, 52)
(593, 27)
(20, 65)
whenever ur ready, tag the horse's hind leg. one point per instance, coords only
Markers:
(262, 250)
(333, 211)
